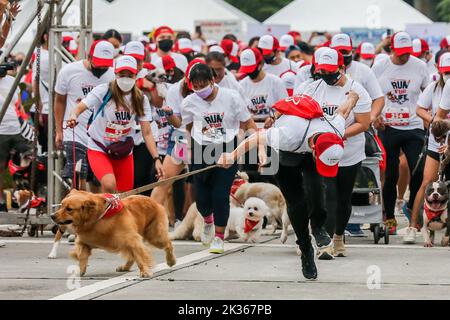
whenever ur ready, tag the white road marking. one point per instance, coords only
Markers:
(131, 276)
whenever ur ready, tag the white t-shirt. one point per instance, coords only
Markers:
(113, 124)
(431, 66)
(263, 95)
(10, 124)
(279, 69)
(229, 81)
(365, 76)
(180, 60)
(217, 121)
(430, 99)
(75, 81)
(289, 132)
(402, 85)
(330, 99)
(44, 77)
(303, 75)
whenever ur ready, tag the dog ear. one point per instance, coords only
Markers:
(89, 204)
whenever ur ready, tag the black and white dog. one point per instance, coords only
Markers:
(435, 213)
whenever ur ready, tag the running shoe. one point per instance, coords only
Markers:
(309, 268)
(354, 230)
(339, 246)
(207, 235)
(324, 244)
(410, 236)
(216, 246)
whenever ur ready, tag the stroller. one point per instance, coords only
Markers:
(367, 207)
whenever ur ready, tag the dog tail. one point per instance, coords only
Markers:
(185, 229)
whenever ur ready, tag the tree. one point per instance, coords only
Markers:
(443, 9)
(261, 9)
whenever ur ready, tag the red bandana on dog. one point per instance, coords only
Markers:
(433, 215)
(249, 225)
(115, 205)
(236, 184)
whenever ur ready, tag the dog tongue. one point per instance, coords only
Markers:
(249, 225)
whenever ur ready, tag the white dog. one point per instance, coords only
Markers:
(159, 78)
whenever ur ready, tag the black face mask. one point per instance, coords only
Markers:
(387, 48)
(270, 60)
(254, 74)
(314, 75)
(348, 60)
(98, 72)
(332, 78)
(165, 45)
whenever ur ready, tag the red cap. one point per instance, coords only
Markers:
(168, 62)
(189, 68)
(184, 45)
(444, 63)
(419, 47)
(231, 49)
(268, 44)
(161, 30)
(102, 54)
(401, 43)
(366, 50)
(341, 41)
(294, 34)
(149, 66)
(329, 60)
(445, 42)
(126, 63)
(135, 49)
(250, 60)
(329, 149)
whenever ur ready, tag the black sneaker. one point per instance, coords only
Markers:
(324, 244)
(3, 207)
(308, 256)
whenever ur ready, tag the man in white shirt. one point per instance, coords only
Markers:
(402, 78)
(164, 38)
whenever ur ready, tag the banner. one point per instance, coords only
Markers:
(431, 32)
(258, 30)
(359, 35)
(216, 29)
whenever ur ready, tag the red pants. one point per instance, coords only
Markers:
(123, 169)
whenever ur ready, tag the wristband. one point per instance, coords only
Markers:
(158, 158)
(168, 114)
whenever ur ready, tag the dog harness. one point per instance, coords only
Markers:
(236, 185)
(433, 216)
(114, 205)
(250, 225)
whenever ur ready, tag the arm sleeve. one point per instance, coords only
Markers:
(364, 103)
(372, 86)
(186, 115)
(61, 86)
(94, 98)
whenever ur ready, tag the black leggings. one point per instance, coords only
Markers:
(304, 191)
(339, 198)
(144, 172)
(411, 142)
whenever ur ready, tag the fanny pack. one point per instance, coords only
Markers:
(117, 150)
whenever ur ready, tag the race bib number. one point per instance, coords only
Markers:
(114, 131)
(397, 116)
(163, 141)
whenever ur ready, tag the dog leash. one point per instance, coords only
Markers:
(74, 153)
(237, 200)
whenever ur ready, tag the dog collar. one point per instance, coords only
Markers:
(433, 215)
(236, 184)
(249, 225)
(114, 205)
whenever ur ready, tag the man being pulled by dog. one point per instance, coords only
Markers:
(309, 144)
(111, 132)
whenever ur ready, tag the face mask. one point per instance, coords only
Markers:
(387, 48)
(348, 59)
(165, 45)
(254, 74)
(331, 79)
(125, 84)
(446, 77)
(367, 62)
(270, 60)
(205, 92)
(98, 72)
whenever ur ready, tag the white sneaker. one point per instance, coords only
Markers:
(216, 246)
(410, 236)
(2, 244)
(208, 232)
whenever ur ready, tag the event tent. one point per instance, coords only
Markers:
(331, 15)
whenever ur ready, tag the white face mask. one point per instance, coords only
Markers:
(125, 84)
(446, 77)
(367, 62)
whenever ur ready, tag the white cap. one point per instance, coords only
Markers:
(268, 44)
(286, 41)
(341, 41)
(401, 43)
(250, 59)
(367, 50)
(318, 52)
(185, 45)
(210, 43)
(289, 78)
(444, 63)
(144, 39)
(126, 63)
(102, 54)
(329, 60)
(135, 49)
(216, 49)
(417, 46)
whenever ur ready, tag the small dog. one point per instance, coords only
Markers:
(244, 223)
(118, 226)
(435, 214)
(159, 78)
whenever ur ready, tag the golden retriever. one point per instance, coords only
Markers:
(140, 219)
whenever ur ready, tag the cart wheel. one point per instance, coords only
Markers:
(32, 231)
(386, 235)
(376, 233)
(55, 229)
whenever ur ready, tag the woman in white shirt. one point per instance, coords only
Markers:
(111, 132)
(213, 117)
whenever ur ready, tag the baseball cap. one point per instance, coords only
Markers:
(444, 63)
(294, 34)
(268, 44)
(289, 78)
(250, 60)
(366, 50)
(329, 60)
(317, 54)
(135, 49)
(231, 49)
(445, 42)
(286, 41)
(144, 39)
(126, 63)
(401, 43)
(420, 46)
(329, 149)
(185, 45)
(216, 49)
(341, 41)
(102, 54)
(161, 30)
(189, 68)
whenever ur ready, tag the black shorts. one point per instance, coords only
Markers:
(12, 142)
(434, 155)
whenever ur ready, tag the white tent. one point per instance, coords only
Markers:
(136, 16)
(331, 15)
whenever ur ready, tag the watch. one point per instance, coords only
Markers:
(158, 158)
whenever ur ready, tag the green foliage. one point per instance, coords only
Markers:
(259, 9)
(443, 9)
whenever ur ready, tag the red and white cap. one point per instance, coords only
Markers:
(419, 47)
(191, 65)
(401, 43)
(126, 63)
(135, 49)
(250, 60)
(317, 54)
(289, 78)
(329, 149)
(185, 45)
(216, 49)
(286, 41)
(445, 42)
(144, 39)
(102, 54)
(444, 63)
(268, 44)
(161, 30)
(366, 50)
(166, 63)
(329, 60)
(67, 36)
(341, 41)
(231, 49)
